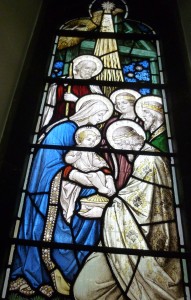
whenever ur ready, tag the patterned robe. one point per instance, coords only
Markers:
(142, 217)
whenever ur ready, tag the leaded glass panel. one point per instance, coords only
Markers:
(99, 215)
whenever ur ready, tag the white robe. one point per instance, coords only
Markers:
(51, 102)
(147, 200)
(138, 219)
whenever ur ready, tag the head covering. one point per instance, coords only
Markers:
(123, 129)
(91, 104)
(88, 58)
(153, 103)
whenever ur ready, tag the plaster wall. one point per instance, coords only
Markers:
(185, 15)
(17, 22)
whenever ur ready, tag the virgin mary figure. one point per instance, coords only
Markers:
(45, 269)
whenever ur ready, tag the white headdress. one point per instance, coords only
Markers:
(91, 104)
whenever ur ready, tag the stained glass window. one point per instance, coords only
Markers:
(99, 215)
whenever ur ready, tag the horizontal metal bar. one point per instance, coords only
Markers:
(107, 35)
(102, 150)
(104, 249)
(122, 84)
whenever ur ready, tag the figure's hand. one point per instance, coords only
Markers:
(77, 154)
(111, 192)
(70, 97)
(95, 212)
(101, 164)
(110, 185)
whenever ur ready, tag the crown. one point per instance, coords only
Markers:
(154, 106)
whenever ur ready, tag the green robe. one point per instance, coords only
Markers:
(158, 139)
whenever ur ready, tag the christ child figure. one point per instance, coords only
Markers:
(91, 168)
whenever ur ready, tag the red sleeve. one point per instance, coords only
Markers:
(106, 171)
(80, 90)
(67, 171)
(60, 92)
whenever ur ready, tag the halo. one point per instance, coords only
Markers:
(140, 102)
(89, 128)
(123, 123)
(118, 92)
(96, 97)
(123, 1)
(95, 59)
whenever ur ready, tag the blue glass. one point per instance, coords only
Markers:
(145, 91)
(143, 75)
(57, 70)
(144, 28)
(144, 63)
(127, 79)
(128, 68)
(137, 71)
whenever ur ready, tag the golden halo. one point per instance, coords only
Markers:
(123, 123)
(88, 58)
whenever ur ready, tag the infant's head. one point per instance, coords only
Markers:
(87, 136)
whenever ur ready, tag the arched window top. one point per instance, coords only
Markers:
(121, 22)
(100, 202)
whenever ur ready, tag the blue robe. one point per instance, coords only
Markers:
(28, 261)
